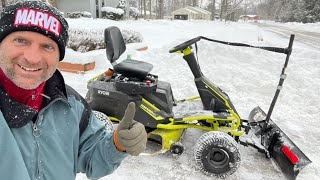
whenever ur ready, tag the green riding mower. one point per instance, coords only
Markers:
(216, 151)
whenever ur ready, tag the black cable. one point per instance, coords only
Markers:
(273, 49)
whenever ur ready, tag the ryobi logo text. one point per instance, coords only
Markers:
(32, 17)
(106, 93)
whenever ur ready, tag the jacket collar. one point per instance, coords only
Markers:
(55, 88)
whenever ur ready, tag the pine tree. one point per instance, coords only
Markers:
(316, 11)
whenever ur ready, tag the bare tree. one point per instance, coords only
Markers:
(228, 8)
(161, 9)
(140, 7)
(156, 8)
(150, 10)
(144, 9)
(213, 9)
(222, 8)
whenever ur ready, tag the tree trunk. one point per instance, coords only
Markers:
(150, 14)
(222, 9)
(144, 9)
(226, 16)
(161, 9)
(127, 9)
(156, 10)
(140, 7)
(213, 9)
(174, 5)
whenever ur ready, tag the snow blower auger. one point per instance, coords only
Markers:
(216, 151)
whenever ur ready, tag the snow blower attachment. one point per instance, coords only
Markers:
(277, 144)
(216, 151)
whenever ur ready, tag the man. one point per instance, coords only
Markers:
(47, 130)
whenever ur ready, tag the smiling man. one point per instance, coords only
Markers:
(47, 130)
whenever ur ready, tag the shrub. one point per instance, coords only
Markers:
(130, 36)
(87, 40)
(134, 12)
(78, 14)
(112, 13)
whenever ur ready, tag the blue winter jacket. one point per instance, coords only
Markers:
(57, 142)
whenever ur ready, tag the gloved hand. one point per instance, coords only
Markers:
(130, 135)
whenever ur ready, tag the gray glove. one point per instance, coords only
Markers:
(131, 135)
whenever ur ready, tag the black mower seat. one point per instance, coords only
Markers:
(133, 68)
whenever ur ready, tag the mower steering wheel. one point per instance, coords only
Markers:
(184, 45)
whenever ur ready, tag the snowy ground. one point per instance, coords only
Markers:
(249, 76)
(312, 27)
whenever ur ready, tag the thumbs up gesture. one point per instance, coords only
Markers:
(130, 135)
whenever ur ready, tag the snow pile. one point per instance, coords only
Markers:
(75, 57)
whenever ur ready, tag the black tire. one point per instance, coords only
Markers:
(105, 120)
(177, 148)
(217, 154)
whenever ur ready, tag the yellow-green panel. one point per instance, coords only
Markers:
(168, 136)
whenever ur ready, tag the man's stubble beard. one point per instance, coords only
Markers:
(14, 77)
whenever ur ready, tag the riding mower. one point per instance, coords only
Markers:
(216, 151)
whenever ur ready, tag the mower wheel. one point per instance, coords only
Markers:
(177, 148)
(217, 154)
(105, 120)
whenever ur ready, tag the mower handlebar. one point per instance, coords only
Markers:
(185, 45)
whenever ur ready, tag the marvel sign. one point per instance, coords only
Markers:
(32, 17)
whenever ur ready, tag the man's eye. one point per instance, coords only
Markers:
(20, 41)
(48, 47)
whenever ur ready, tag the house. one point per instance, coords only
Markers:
(189, 12)
(250, 18)
(92, 6)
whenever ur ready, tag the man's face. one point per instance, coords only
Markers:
(28, 58)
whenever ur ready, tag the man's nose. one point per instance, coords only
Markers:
(33, 54)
